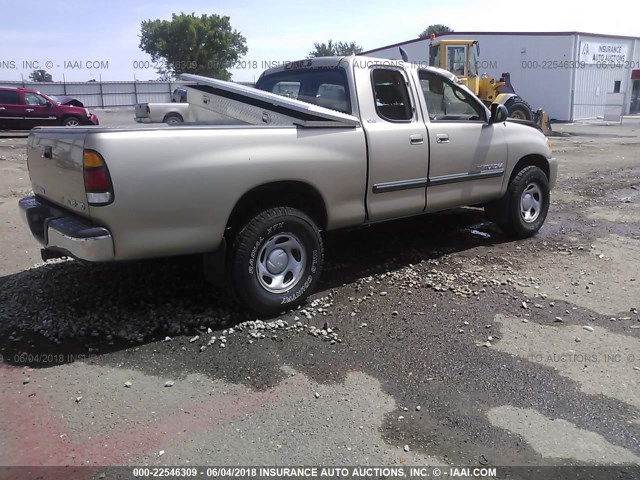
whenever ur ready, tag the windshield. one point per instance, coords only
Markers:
(323, 87)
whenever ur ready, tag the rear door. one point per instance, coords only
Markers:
(38, 111)
(396, 141)
(468, 155)
(11, 112)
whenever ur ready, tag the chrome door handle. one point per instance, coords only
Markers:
(28, 109)
(2, 109)
(442, 138)
(416, 139)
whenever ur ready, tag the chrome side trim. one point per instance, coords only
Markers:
(435, 181)
(464, 177)
(400, 185)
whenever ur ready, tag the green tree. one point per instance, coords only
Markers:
(436, 28)
(205, 45)
(41, 76)
(331, 49)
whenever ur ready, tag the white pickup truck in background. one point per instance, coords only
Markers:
(162, 113)
(319, 144)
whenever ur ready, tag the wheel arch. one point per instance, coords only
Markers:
(288, 193)
(503, 98)
(531, 160)
(67, 116)
(172, 114)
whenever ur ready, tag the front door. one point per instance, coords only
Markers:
(37, 111)
(397, 144)
(468, 155)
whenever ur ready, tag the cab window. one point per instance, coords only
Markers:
(446, 101)
(456, 59)
(391, 95)
(287, 89)
(323, 87)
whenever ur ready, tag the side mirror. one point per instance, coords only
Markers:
(48, 104)
(499, 113)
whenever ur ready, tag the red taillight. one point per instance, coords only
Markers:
(97, 181)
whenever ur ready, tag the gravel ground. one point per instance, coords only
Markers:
(436, 333)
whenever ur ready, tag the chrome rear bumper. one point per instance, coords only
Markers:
(63, 234)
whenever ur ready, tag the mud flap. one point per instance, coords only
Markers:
(498, 210)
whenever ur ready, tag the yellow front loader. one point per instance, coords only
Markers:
(460, 57)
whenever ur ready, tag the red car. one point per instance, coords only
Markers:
(23, 109)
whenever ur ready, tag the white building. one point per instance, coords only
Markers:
(572, 75)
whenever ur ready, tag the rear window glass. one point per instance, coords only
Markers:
(392, 97)
(9, 97)
(325, 88)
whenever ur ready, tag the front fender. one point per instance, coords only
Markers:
(503, 98)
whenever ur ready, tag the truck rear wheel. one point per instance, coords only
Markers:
(172, 118)
(525, 206)
(519, 109)
(276, 260)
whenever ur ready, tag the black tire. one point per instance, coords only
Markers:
(258, 247)
(171, 118)
(71, 122)
(526, 204)
(519, 109)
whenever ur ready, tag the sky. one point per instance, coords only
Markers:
(79, 40)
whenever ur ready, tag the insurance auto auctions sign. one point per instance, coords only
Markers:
(601, 53)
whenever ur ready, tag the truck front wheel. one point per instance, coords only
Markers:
(71, 122)
(276, 260)
(523, 210)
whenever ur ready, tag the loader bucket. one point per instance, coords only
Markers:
(542, 121)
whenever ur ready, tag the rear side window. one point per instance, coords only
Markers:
(323, 87)
(391, 95)
(8, 97)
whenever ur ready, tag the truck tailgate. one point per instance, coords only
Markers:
(142, 110)
(54, 158)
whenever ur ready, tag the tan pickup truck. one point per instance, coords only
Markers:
(320, 144)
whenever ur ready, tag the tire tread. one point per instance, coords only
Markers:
(242, 244)
(512, 225)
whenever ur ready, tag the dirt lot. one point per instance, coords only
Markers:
(450, 344)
